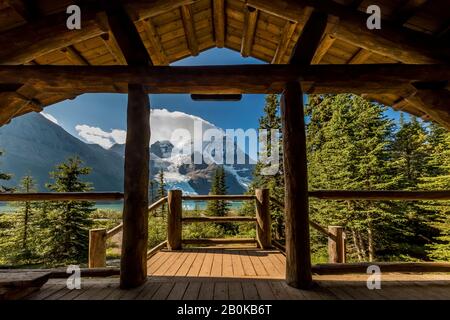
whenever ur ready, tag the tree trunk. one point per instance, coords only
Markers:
(361, 245)
(356, 244)
(370, 243)
(135, 211)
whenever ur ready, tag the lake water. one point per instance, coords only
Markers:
(118, 205)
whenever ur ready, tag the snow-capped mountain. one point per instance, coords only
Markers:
(34, 145)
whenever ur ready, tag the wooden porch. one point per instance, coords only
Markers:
(243, 274)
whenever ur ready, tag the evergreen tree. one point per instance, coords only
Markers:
(438, 178)
(218, 208)
(348, 142)
(275, 183)
(4, 177)
(69, 221)
(161, 189)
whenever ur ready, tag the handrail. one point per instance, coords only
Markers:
(313, 224)
(218, 219)
(62, 196)
(236, 197)
(380, 195)
(154, 250)
(119, 227)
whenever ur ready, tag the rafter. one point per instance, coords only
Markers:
(157, 52)
(326, 42)
(111, 44)
(406, 10)
(392, 41)
(310, 38)
(74, 56)
(360, 57)
(248, 34)
(285, 39)
(219, 22)
(26, 9)
(435, 103)
(189, 29)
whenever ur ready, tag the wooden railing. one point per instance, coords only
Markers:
(99, 237)
(176, 220)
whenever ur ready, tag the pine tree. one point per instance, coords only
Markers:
(69, 221)
(438, 178)
(275, 183)
(4, 177)
(161, 189)
(218, 208)
(348, 142)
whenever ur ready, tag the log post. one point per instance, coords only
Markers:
(298, 256)
(263, 219)
(174, 225)
(336, 249)
(97, 248)
(135, 210)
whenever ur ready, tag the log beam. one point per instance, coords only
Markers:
(286, 36)
(435, 103)
(133, 263)
(189, 29)
(406, 10)
(392, 41)
(360, 57)
(74, 56)
(219, 22)
(158, 54)
(367, 78)
(248, 35)
(26, 9)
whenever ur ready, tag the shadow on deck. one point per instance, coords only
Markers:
(243, 274)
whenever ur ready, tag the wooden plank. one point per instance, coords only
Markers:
(350, 268)
(221, 291)
(360, 57)
(192, 291)
(62, 196)
(380, 195)
(238, 269)
(196, 266)
(216, 267)
(219, 22)
(285, 39)
(264, 290)
(159, 55)
(235, 291)
(205, 269)
(75, 56)
(218, 219)
(257, 265)
(163, 291)
(189, 29)
(248, 34)
(247, 265)
(150, 289)
(206, 291)
(178, 291)
(227, 263)
(171, 270)
(249, 290)
(186, 266)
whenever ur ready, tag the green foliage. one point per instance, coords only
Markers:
(68, 221)
(220, 208)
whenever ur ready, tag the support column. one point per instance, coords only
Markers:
(263, 220)
(298, 255)
(133, 263)
(336, 249)
(174, 226)
(97, 248)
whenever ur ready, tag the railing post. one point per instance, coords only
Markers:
(174, 200)
(97, 248)
(263, 220)
(336, 249)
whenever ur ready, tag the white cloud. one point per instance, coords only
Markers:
(163, 123)
(50, 117)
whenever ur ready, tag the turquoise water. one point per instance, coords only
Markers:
(118, 206)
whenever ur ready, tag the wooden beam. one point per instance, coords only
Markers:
(392, 41)
(211, 241)
(360, 57)
(133, 262)
(148, 9)
(111, 44)
(26, 9)
(228, 197)
(368, 78)
(74, 56)
(62, 196)
(406, 10)
(216, 97)
(189, 29)
(435, 103)
(383, 195)
(34, 39)
(309, 41)
(285, 39)
(325, 44)
(219, 22)
(248, 34)
(158, 54)
(298, 253)
(348, 268)
(174, 223)
(218, 219)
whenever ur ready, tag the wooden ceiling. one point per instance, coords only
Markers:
(33, 32)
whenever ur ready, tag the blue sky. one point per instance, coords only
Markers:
(108, 111)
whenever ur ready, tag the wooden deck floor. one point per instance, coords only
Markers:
(243, 274)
